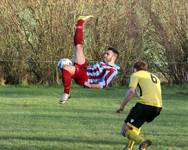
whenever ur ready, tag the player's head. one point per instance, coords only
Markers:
(110, 55)
(140, 65)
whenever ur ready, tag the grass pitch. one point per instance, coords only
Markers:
(32, 119)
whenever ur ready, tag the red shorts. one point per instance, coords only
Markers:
(80, 75)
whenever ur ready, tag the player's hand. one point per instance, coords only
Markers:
(87, 84)
(119, 110)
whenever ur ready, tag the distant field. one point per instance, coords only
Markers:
(32, 119)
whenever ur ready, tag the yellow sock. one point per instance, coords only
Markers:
(130, 143)
(133, 135)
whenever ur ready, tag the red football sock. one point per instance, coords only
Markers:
(66, 78)
(78, 36)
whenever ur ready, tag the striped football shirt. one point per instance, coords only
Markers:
(102, 73)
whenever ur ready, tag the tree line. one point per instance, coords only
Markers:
(35, 34)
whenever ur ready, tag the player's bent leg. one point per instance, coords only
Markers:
(130, 143)
(135, 130)
(64, 98)
(67, 73)
(131, 133)
(70, 69)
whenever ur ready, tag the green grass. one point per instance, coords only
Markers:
(32, 119)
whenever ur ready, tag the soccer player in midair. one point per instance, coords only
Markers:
(146, 109)
(98, 75)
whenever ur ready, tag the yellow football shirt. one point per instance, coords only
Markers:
(150, 87)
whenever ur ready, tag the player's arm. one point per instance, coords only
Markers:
(105, 80)
(127, 98)
(109, 75)
(130, 93)
(94, 86)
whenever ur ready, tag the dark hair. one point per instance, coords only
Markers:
(140, 65)
(114, 50)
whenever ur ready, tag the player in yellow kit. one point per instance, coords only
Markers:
(146, 109)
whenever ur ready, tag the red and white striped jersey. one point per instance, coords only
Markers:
(102, 73)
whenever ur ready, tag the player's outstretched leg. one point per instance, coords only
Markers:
(78, 39)
(68, 71)
(85, 18)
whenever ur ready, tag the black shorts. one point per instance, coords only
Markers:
(141, 113)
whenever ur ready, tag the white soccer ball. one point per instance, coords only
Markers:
(64, 61)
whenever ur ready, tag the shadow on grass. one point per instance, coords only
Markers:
(76, 140)
(63, 139)
(78, 92)
(25, 94)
